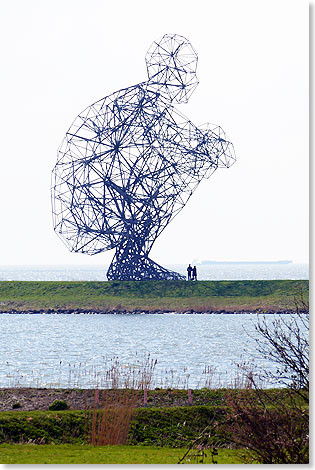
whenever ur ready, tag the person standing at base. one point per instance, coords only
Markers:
(194, 274)
(189, 270)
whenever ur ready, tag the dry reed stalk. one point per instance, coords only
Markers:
(110, 423)
(113, 408)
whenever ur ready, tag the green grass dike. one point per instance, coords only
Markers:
(151, 296)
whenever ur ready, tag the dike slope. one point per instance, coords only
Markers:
(135, 297)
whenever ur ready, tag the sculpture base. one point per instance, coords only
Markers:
(143, 270)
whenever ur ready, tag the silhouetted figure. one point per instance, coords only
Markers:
(189, 270)
(194, 274)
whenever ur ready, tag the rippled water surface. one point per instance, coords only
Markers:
(77, 350)
(205, 272)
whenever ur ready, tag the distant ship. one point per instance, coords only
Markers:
(246, 262)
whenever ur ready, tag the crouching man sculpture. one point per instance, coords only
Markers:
(129, 163)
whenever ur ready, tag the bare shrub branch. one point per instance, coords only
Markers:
(273, 429)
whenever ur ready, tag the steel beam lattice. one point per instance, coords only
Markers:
(129, 163)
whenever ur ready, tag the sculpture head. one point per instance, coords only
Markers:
(171, 65)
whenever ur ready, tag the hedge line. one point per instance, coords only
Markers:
(158, 426)
(174, 426)
(43, 427)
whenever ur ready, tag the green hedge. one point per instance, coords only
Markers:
(163, 426)
(174, 426)
(45, 427)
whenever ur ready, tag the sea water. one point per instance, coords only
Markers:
(79, 350)
(214, 272)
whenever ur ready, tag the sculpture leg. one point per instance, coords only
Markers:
(132, 263)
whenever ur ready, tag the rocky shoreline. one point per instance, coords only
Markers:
(82, 311)
(31, 399)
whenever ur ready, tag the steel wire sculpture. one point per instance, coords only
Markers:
(129, 163)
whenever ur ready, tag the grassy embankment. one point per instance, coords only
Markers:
(269, 295)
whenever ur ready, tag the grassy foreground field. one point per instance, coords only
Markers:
(181, 296)
(87, 454)
(158, 435)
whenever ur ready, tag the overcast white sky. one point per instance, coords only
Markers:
(59, 56)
